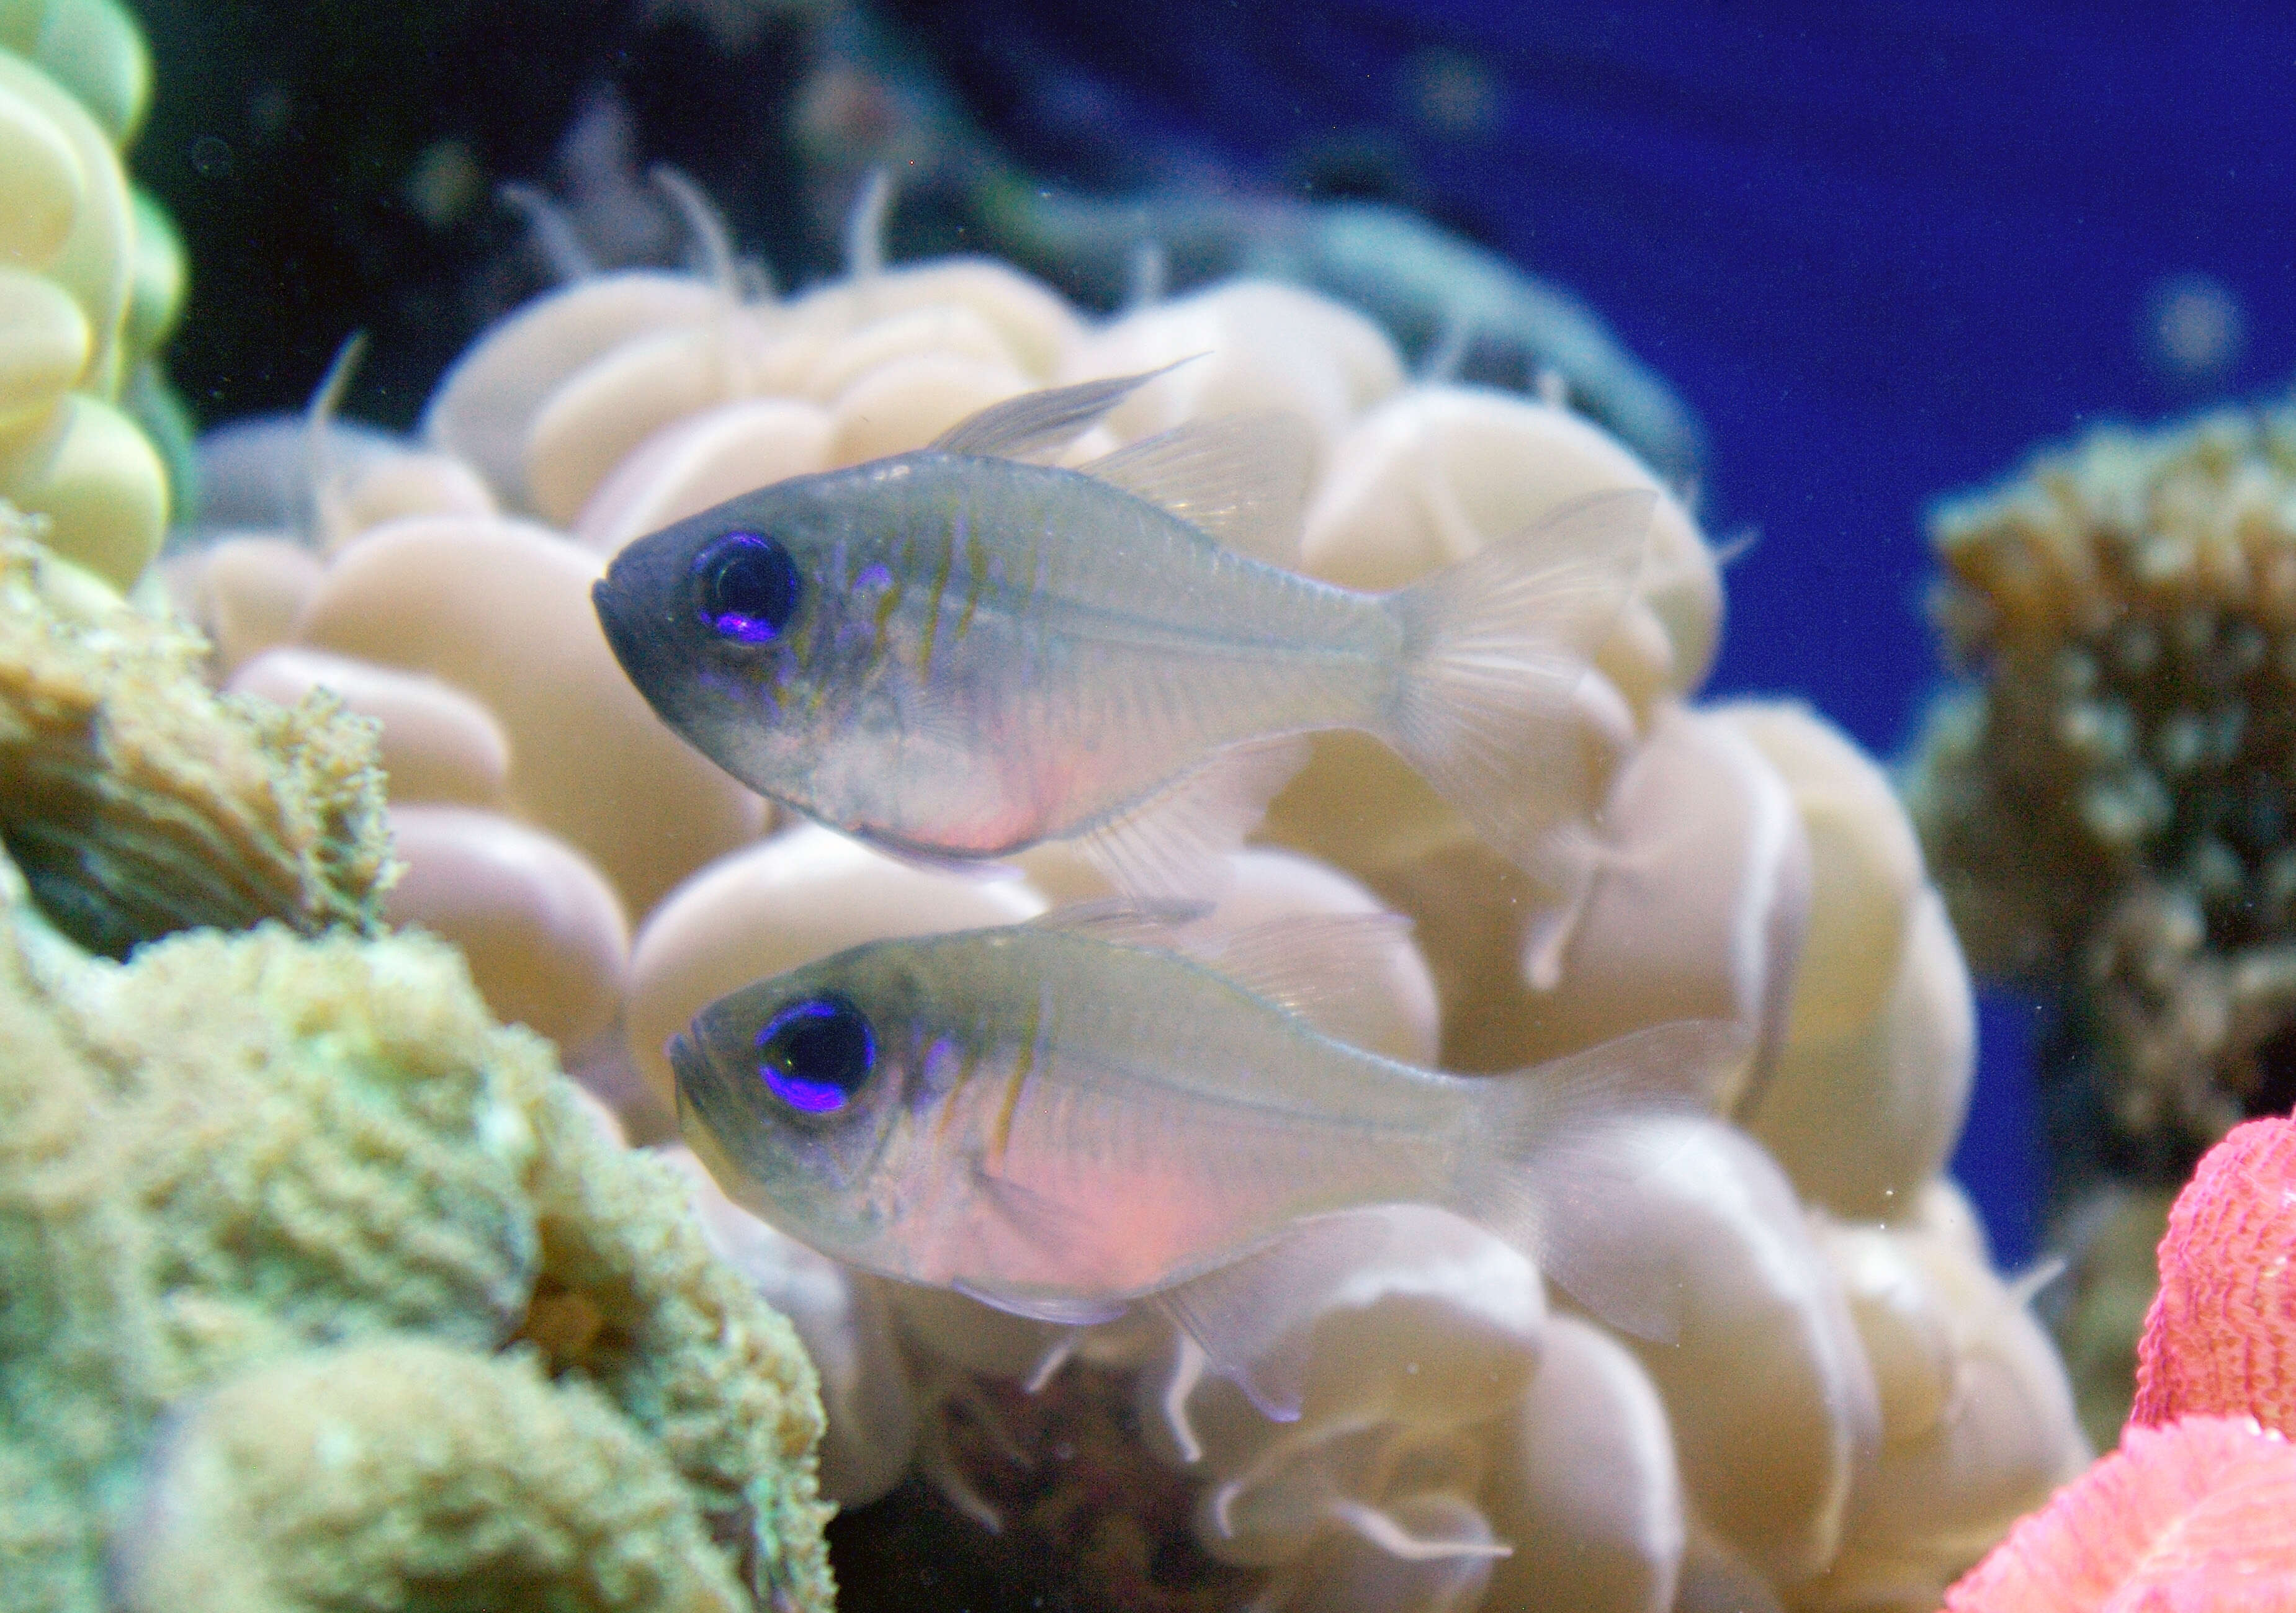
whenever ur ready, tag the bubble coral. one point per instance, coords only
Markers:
(1854, 1404)
(91, 282)
(249, 1165)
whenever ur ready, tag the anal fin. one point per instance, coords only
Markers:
(1037, 1305)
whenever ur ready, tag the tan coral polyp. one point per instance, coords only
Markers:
(1978, 1424)
(1866, 864)
(484, 408)
(1691, 914)
(1769, 1457)
(591, 421)
(41, 185)
(401, 485)
(544, 933)
(1247, 344)
(95, 475)
(906, 402)
(45, 343)
(686, 467)
(1034, 325)
(1430, 477)
(1584, 1484)
(244, 593)
(1901, 1085)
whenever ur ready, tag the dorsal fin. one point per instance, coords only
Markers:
(1042, 422)
(1243, 477)
(1315, 965)
(1312, 965)
(1124, 921)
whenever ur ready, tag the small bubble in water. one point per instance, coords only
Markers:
(211, 158)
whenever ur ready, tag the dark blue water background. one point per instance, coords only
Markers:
(1884, 250)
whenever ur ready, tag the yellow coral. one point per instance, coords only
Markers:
(295, 1486)
(138, 804)
(2109, 808)
(235, 1149)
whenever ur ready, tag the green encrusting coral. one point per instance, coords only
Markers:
(318, 1289)
(137, 802)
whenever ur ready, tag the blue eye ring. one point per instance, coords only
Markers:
(817, 1052)
(748, 586)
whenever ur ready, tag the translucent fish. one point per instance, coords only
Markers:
(956, 653)
(1062, 1121)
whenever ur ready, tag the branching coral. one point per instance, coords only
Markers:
(2108, 808)
(248, 1166)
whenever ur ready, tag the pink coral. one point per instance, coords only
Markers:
(2221, 1336)
(2193, 1517)
(2197, 1509)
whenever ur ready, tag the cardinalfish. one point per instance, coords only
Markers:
(1065, 1118)
(956, 653)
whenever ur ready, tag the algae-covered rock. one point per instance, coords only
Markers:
(138, 803)
(320, 1287)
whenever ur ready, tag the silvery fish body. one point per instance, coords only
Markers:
(986, 652)
(1059, 1123)
(956, 654)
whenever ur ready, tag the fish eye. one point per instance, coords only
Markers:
(749, 587)
(816, 1053)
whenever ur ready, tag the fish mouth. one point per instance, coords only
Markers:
(707, 1114)
(617, 621)
(645, 642)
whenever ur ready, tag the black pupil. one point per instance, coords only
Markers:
(749, 587)
(817, 1053)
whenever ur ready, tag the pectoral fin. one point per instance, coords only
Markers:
(1174, 845)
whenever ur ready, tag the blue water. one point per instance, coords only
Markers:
(1882, 248)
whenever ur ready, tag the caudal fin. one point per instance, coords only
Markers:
(1494, 649)
(1548, 1167)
